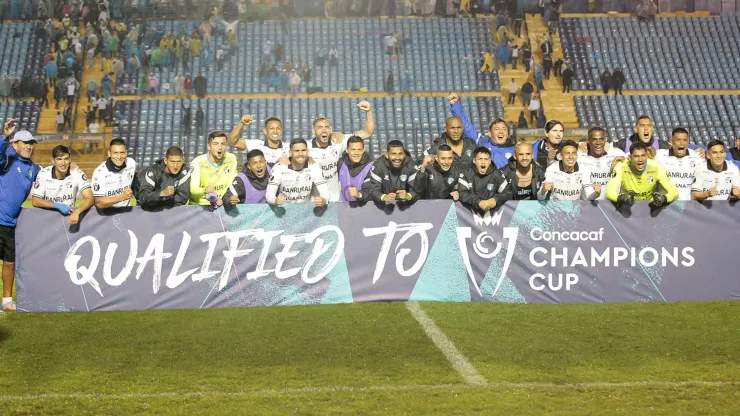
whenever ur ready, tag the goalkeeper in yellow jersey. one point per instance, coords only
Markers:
(213, 172)
(636, 178)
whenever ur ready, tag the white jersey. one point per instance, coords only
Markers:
(295, 185)
(707, 178)
(568, 186)
(680, 170)
(600, 167)
(106, 183)
(63, 191)
(271, 155)
(328, 158)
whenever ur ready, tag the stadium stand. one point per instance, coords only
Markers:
(21, 50)
(154, 125)
(686, 53)
(713, 117)
(440, 54)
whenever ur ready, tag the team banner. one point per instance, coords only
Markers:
(259, 255)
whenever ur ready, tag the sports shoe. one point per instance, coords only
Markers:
(9, 306)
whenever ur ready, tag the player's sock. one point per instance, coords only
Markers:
(7, 300)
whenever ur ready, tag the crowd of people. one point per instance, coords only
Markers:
(481, 171)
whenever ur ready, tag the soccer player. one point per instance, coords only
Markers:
(524, 176)
(392, 176)
(272, 147)
(166, 183)
(250, 185)
(636, 178)
(17, 175)
(680, 162)
(298, 181)
(353, 168)
(498, 140)
(545, 151)
(483, 186)
(327, 147)
(440, 179)
(567, 180)
(716, 179)
(57, 186)
(113, 180)
(598, 159)
(643, 133)
(453, 136)
(213, 172)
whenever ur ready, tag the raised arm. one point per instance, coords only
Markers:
(369, 128)
(234, 140)
(196, 191)
(456, 109)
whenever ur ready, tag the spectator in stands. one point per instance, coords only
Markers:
(391, 177)
(534, 107)
(526, 56)
(618, 81)
(320, 56)
(407, 83)
(735, 151)
(334, 56)
(43, 94)
(483, 187)
(102, 105)
(606, 80)
(295, 82)
(557, 66)
(106, 85)
(51, 72)
(644, 133)
(514, 55)
(390, 44)
(453, 136)
(15, 89)
(200, 119)
(143, 83)
(522, 122)
(89, 117)
(219, 59)
(92, 88)
(153, 84)
(567, 79)
(6, 83)
(547, 65)
(539, 76)
(166, 183)
(60, 122)
(504, 55)
(306, 76)
(389, 83)
(513, 89)
(487, 62)
(186, 120)
(200, 83)
(279, 51)
(179, 84)
(188, 85)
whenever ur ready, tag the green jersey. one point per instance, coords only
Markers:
(623, 179)
(207, 173)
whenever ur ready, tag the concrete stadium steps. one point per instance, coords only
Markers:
(558, 106)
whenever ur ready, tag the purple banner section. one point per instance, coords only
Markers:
(258, 255)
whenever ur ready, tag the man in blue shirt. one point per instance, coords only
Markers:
(17, 175)
(498, 142)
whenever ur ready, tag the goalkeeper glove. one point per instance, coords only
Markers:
(626, 198)
(63, 208)
(659, 199)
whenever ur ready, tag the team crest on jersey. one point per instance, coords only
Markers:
(70, 185)
(150, 174)
(450, 181)
(469, 152)
(403, 178)
(507, 155)
(227, 170)
(489, 187)
(36, 185)
(96, 187)
(84, 177)
(650, 179)
(728, 179)
(19, 169)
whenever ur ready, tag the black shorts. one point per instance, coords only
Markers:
(7, 244)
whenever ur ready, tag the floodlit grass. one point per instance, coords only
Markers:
(374, 359)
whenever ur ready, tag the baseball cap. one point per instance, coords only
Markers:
(23, 136)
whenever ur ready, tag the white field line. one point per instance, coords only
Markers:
(371, 389)
(446, 346)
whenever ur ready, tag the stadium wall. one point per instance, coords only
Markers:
(258, 255)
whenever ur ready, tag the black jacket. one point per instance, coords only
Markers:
(466, 158)
(259, 184)
(621, 144)
(491, 184)
(433, 183)
(154, 179)
(618, 78)
(735, 153)
(509, 173)
(383, 180)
